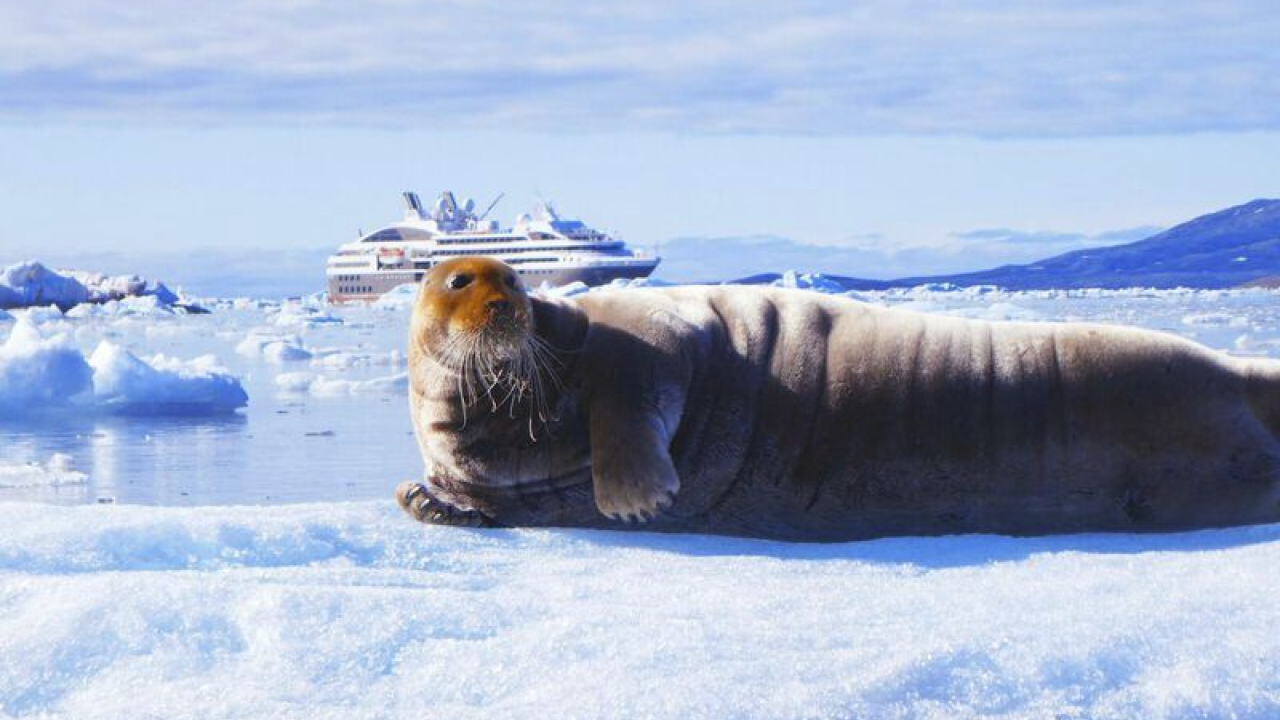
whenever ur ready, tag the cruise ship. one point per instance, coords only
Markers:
(542, 247)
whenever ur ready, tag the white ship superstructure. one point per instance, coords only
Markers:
(542, 247)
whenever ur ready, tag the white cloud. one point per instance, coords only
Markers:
(1046, 68)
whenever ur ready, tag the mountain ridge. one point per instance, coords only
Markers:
(1235, 246)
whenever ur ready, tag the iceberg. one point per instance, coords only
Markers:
(31, 284)
(40, 375)
(122, 382)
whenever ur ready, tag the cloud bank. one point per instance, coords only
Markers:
(987, 68)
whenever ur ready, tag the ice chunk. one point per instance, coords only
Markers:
(576, 287)
(345, 359)
(30, 283)
(273, 347)
(58, 470)
(998, 311)
(301, 315)
(301, 383)
(1215, 318)
(808, 281)
(38, 373)
(40, 314)
(401, 297)
(125, 383)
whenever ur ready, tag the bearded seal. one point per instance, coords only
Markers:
(791, 415)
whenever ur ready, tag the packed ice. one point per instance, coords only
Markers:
(348, 610)
(254, 565)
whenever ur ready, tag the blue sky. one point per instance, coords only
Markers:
(913, 137)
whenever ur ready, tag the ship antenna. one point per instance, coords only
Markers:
(492, 205)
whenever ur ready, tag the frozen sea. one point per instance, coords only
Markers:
(251, 563)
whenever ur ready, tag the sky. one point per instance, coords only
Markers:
(869, 138)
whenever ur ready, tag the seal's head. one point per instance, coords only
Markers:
(472, 301)
(474, 318)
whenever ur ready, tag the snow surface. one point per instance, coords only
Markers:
(348, 610)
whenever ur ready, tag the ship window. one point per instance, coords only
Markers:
(387, 235)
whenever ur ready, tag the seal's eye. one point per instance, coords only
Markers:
(459, 281)
(511, 281)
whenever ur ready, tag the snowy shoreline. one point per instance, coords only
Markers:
(350, 610)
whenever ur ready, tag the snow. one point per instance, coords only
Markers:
(349, 610)
(39, 374)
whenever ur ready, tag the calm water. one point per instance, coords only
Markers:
(281, 448)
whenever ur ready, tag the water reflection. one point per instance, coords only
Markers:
(153, 460)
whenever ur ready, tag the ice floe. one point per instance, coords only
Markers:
(341, 359)
(38, 373)
(30, 283)
(48, 374)
(303, 383)
(58, 470)
(299, 315)
(400, 297)
(126, 383)
(273, 347)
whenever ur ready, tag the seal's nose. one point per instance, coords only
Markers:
(501, 306)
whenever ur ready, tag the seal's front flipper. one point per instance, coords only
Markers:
(631, 470)
(417, 500)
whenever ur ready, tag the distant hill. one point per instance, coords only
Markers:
(1236, 246)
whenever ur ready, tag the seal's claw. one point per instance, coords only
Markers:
(635, 508)
(414, 498)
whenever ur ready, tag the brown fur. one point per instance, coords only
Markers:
(786, 414)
